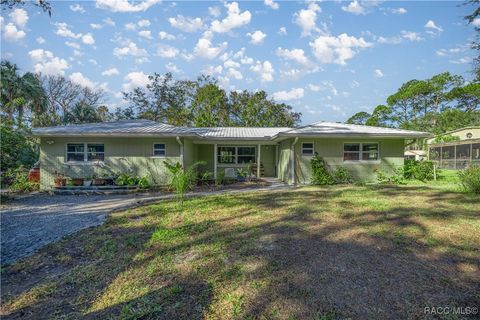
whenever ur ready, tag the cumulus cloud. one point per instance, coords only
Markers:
(72, 44)
(135, 80)
(125, 5)
(214, 11)
(172, 67)
(272, 4)
(297, 55)
(129, 49)
(476, 22)
(264, 70)
(96, 26)
(147, 34)
(80, 79)
(331, 49)
(77, 8)
(404, 35)
(314, 88)
(257, 37)
(354, 7)
(110, 72)
(47, 63)
(164, 51)
(378, 73)
(399, 11)
(143, 23)
(306, 18)
(166, 36)
(211, 70)
(235, 74)
(186, 24)
(293, 94)
(235, 18)
(11, 33)
(40, 40)
(19, 17)
(63, 30)
(205, 49)
(432, 26)
(282, 31)
(88, 39)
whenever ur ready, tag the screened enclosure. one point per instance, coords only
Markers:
(455, 155)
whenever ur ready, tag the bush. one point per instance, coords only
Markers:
(342, 176)
(420, 170)
(320, 174)
(18, 179)
(183, 179)
(470, 179)
(397, 177)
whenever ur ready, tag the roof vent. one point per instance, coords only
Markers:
(469, 135)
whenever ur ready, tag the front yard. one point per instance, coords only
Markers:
(306, 253)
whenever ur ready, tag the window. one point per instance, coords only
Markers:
(159, 149)
(236, 155)
(360, 152)
(85, 152)
(307, 149)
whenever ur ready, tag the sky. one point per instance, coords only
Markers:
(328, 59)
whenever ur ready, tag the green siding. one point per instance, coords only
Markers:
(267, 158)
(284, 161)
(205, 154)
(331, 150)
(121, 155)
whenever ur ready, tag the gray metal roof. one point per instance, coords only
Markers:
(151, 128)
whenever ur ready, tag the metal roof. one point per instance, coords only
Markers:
(143, 127)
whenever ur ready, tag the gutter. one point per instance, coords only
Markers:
(292, 159)
(181, 150)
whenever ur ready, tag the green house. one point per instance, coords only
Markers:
(142, 146)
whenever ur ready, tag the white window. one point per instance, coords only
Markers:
(367, 151)
(159, 149)
(236, 155)
(307, 149)
(85, 152)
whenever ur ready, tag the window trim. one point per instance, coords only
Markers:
(360, 152)
(313, 149)
(235, 156)
(85, 153)
(153, 150)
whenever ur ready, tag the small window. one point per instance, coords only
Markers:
(75, 152)
(95, 152)
(85, 152)
(351, 152)
(246, 154)
(307, 149)
(227, 155)
(370, 151)
(159, 149)
(360, 152)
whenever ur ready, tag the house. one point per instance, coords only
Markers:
(455, 149)
(141, 146)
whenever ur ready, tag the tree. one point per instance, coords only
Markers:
(209, 106)
(359, 118)
(381, 116)
(82, 112)
(475, 44)
(124, 113)
(467, 97)
(17, 148)
(10, 4)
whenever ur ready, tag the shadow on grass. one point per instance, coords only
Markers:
(331, 252)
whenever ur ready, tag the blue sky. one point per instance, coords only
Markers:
(326, 59)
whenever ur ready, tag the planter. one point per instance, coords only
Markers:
(77, 182)
(60, 182)
(98, 182)
(109, 181)
(87, 183)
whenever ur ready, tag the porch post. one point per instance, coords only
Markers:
(215, 161)
(258, 160)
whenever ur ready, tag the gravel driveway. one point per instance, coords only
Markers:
(31, 222)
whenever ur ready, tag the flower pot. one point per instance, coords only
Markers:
(87, 183)
(98, 182)
(77, 182)
(60, 182)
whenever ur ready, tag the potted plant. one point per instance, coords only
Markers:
(97, 181)
(77, 182)
(242, 174)
(87, 182)
(59, 180)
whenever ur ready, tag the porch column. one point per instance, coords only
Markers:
(215, 161)
(258, 160)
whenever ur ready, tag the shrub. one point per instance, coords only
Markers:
(220, 179)
(19, 180)
(143, 182)
(342, 176)
(125, 179)
(320, 174)
(470, 179)
(397, 177)
(420, 170)
(183, 179)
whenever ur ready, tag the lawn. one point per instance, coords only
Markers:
(364, 252)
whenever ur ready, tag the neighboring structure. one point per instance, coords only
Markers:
(418, 155)
(457, 154)
(141, 146)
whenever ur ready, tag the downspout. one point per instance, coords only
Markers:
(181, 151)
(292, 159)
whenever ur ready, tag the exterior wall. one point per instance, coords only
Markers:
(121, 155)
(205, 154)
(462, 134)
(267, 158)
(284, 161)
(331, 150)
(190, 151)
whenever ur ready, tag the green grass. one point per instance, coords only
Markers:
(307, 253)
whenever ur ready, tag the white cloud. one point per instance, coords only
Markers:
(399, 11)
(11, 33)
(264, 70)
(130, 26)
(257, 37)
(452, 51)
(331, 49)
(130, 49)
(355, 84)
(272, 4)
(143, 23)
(306, 18)
(235, 18)
(186, 24)
(109, 21)
(88, 39)
(40, 40)
(354, 7)
(461, 60)
(134, 80)
(214, 11)
(172, 67)
(240, 54)
(293, 94)
(125, 5)
(96, 26)
(167, 51)
(235, 74)
(404, 35)
(431, 25)
(110, 72)
(19, 17)
(72, 44)
(204, 48)
(476, 22)
(147, 34)
(77, 8)
(63, 30)
(231, 64)
(411, 36)
(378, 73)
(47, 63)
(93, 61)
(166, 36)
(211, 70)
(297, 55)
(79, 78)
(282, 31)
(141, 60)
(314, 88)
